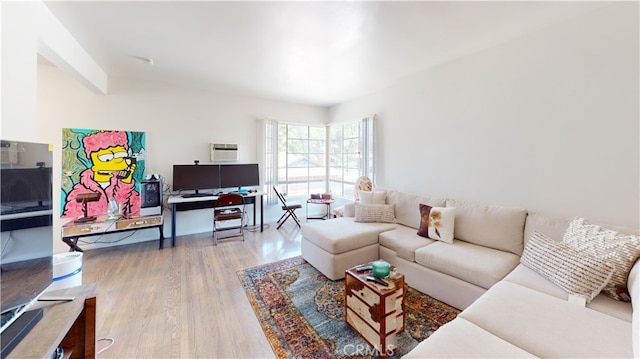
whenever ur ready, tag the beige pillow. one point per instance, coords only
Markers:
(374, 213)
(372, 197)
(618, 249)
(577, 273)
(437, 222)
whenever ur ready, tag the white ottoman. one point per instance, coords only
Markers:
(335, 245)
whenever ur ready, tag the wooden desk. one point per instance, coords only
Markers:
(71, 325)
(71, 231)
(178, 199)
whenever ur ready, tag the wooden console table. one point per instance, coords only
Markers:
(72, 231)
(70, 325)
(374, 311)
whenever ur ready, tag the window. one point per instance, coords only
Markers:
(302, 165)
(351, 155)
(295, 157)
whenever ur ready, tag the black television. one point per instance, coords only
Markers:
(196, 177)
(239, 175)
(26, 229)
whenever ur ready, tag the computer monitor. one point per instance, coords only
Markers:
(240, 175)
(26, 187)
(196, 177)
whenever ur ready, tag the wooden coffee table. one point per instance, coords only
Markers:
(374, 311)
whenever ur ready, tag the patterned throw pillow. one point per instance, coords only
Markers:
(375, 213)
(577, 273)
(618, 249)
(437, 222)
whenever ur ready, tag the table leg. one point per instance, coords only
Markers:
(73, 244)
(261, 213)
(161, 236)
(173, 225)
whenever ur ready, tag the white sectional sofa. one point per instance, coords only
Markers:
(509, 309)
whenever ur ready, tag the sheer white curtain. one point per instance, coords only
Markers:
(268, 156)
(368, 148)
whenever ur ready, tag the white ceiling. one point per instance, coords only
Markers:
(319, 53)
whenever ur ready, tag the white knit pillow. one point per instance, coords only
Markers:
(618, 249)
(375, 213)
(577, 273)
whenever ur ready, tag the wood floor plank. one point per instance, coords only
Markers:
(184, 301)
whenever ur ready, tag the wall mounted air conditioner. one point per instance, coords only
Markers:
(222, 152)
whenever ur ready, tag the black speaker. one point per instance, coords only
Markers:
(150, 197)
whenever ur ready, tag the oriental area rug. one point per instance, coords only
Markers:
(302, 313)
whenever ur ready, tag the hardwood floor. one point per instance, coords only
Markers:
(184, 301)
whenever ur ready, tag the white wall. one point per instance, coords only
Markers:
(549, 122)
(179, 124)
(29, 27)
(19, 50)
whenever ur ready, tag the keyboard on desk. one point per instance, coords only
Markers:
(195, 195)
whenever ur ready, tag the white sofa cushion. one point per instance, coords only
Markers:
(404, 241)
(621, 250)
(496, 227)
(349, 209)
(343, 234)
(577, 273)
(472, 263)
(526, 277)
(552, 226)
(462, 339)
(407, 206)
(549, 327)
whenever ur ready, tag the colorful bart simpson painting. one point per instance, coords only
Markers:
(107, 162)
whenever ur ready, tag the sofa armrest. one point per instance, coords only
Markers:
(350, 209)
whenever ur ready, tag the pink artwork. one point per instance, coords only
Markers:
(110, 163)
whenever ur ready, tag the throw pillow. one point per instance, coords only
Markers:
(437, 222)
(577, 273)
(375, 213)
(372, 197)
(618, 249)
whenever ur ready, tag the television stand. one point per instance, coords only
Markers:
(19, 329)
(70, 325)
